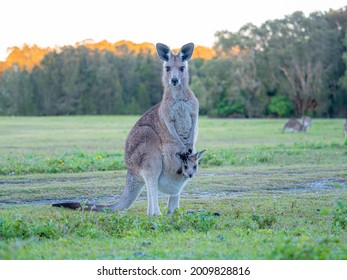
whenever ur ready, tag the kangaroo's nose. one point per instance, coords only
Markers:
(174, 81)
(190, 175)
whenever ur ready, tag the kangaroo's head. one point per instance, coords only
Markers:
(306, 123)
(175, 66)
(190, 164)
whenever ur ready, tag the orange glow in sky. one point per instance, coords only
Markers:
(50, 23)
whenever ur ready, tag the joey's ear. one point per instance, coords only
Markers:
(163, 51)
(199, 154)
(182, 157)
(186, 51)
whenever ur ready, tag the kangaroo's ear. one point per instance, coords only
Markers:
(199, 154)
(163, 51)
(186, 51)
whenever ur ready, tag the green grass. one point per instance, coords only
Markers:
(80, 144)
(259, 194)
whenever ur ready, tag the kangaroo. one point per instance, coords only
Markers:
(345, 128)
(165, 132)
(294, 125)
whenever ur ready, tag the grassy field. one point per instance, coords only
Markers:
(259, 194)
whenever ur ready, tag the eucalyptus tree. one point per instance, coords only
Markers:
(295, 57)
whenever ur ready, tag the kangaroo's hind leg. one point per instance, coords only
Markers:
(173, 203)
(151, 170)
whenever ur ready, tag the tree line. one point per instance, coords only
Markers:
(285, 67)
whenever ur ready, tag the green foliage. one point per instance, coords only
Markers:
(265, 221)
(226, 109)
(74, 162)
(78, 81)
(338, 214)
(343, 79)
(91, 225)
(302, 248)
(280, 106)
(71, 162)
(242, 234)
(297, 57)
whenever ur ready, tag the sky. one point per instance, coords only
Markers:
(50, 23)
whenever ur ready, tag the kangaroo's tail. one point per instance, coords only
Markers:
(132, 190)
(85, 206)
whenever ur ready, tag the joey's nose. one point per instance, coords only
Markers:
(174, 81)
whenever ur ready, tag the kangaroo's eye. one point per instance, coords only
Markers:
(194, 167)
(182, 68)
(167, 68)
(185, 167)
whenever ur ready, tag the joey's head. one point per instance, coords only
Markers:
(190, 164)
(175, 66)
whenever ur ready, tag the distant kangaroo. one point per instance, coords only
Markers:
(294, 125)
(159, 140)
(345, 128)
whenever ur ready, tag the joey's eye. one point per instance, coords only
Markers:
(185, 167)
(182, 68)
(194, 167)
(167, 68)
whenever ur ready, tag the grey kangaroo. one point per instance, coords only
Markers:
(294, 125)
(161, 141)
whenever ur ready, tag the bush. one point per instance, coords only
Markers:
(280, 106)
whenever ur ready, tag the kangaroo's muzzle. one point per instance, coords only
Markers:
(174, 81)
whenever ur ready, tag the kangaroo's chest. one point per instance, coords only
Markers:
(181, 115)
